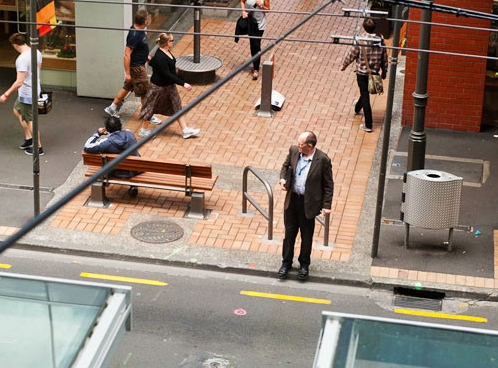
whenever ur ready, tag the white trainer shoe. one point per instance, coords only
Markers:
(144, 132)
(365, 128)
(190, 132)
(155, 121)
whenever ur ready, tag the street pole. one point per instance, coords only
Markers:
(197, 31)
(417, 138)
(33, 42)
(387, 131)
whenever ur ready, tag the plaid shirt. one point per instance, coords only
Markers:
(377, 58)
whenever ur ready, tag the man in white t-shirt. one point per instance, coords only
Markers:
(23, 105)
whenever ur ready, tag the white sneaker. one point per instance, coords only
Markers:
(155, 121)
(190, 132)
(365, 128)
(144, 132)
(112, 112)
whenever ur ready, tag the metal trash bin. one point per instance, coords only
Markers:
(431, 200)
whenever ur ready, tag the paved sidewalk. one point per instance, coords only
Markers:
(320, 98)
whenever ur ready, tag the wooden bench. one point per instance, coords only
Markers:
(193, 179)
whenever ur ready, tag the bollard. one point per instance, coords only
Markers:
(265, 109)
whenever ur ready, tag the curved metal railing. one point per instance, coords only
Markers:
(247, 197)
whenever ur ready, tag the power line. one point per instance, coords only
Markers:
(30, 225)
(444, 25)
(459, 12)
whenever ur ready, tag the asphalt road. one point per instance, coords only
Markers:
(204, 317)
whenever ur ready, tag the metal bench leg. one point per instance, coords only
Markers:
(97, 196)
(450, 240)
(407, 235)
(197, 208)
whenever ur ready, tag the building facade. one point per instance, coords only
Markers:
(461, 89)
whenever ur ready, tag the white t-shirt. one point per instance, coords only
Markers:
(23, 64)
(260, 16)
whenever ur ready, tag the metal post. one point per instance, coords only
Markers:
(197, 32)
(265, 109)
(417, 138)
(326, 231)
(34, 105)
(387, 131)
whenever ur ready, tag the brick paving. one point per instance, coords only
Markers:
(318, 97)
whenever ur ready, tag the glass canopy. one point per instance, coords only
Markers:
(54, 323)
(348, 341)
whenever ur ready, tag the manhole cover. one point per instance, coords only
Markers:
(157, 232)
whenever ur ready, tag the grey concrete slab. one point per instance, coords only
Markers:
(472, 254)
(17, 206)
(63, 132)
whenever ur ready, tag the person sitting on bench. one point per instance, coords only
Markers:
(116, 141)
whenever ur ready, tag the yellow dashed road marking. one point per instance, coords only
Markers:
(122, 279)
(5, 265)
(285, 297)
(441, 315)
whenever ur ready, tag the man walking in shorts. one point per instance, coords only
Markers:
(23, 105)
(135, 56)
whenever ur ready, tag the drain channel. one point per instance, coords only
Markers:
(418, 299)
(25, 187)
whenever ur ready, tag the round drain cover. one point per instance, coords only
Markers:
(216, 363)
(157, 232)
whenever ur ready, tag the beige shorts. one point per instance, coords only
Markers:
(139, 82)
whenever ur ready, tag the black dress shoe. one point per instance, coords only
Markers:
(303, 273)
(283, 271)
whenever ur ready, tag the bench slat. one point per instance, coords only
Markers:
(150, 165)
(161, 179)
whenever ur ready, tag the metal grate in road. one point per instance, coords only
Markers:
(411, 302)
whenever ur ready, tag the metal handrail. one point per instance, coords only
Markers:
(324, 220)
(246, 197)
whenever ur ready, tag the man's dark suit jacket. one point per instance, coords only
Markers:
(319, 187)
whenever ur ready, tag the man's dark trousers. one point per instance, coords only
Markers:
(295, 220)
(364, 100)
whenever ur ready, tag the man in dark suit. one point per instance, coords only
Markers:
(306, 175)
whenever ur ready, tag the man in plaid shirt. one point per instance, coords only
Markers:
(377, 60)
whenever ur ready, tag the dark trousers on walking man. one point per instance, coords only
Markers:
(363, 102)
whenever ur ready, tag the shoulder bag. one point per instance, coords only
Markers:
(375, 85)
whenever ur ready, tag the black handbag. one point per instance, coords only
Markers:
(44, 103)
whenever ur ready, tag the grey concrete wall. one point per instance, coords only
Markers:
(99, 66)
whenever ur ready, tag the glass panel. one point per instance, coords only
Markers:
(163, 16)
(44, 324)
(42, 335)
(59, 45)
(56, 292)
(350, 341)
(383, 344)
